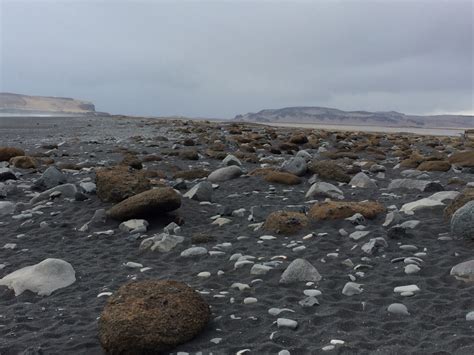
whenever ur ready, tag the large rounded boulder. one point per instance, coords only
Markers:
(152, 202)
(462, 221)
(150, 317)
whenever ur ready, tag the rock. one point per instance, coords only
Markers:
(43, 278)
(162, 242)
(462, 221)
(423, 204)
(324, 189)
(407, 288)
(194, 251)
(411, 184)
(88, 187)
(470, 316)
(340, 210)
(287, 323)
(443, 196)
(373, 244)
(6, 153)
(309, 302)
(151, 202)
(298, 138)
(280, 177)
(412, 269)
(329, 170)
(189, 154)
(134, 226)
(151, 317)
(50, 178)
(300, 270)
(225, 173)
(250, 300)
(358, 235)
(363, 181)
(260, 212)
(434, 165)
(66, 190)
(24, 162)
(296, 166)
(464, 197)
(376, 168)
(6, 207)
(285, 222)
(460, 159)
(304, 154)
(7, 174)
(221, 221)
(351, 289)
(464, 271)
(119, 183)
(398, 308)
(200, 192)
(259, 269)
(231, 160)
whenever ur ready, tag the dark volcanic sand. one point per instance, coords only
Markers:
(66, 321)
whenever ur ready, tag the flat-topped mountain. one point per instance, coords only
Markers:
(19, 104)
(335, 116)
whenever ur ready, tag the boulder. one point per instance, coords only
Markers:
(43, 278)
(285, 222)
(329, 170)
(422, 204)
(24, 162)
(324, 189)
(118, 183)
(300, 270)
(151, 317)
(434, 165)
(284, 178)
(200, 192)
(151, 202)
(6, 153)
(463, 159)
(231, 160)
(464, 197)
(50, 178)
(66, 190)
(340, 210)
(162, 242)
(225, 173)
(363, 181)
(464, 271)
(296, 166)
(462, 221)
(411, 184)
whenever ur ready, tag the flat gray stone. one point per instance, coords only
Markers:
(324, 189)
(200, 192)
(412, 184)
(462, 221)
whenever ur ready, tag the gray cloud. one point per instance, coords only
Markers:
(219, 59)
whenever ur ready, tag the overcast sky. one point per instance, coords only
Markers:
(222, 58)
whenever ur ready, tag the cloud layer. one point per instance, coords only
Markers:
(218, 59)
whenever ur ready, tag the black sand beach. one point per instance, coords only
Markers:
(66, 322)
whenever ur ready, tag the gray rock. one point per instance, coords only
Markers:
(134, 226)
(225, 173)
(392, 218)
(88, 187)
(51, 177)
(464, 271)
(43, 278)
(231, 160)
(398, 308)
(411, 269)
(287, 323)
(162, 242)
(296, 165)
(304, 154)
(421, 205)
(351, 289)
(411, 184)
(363, 181)
(324, 189)
(309, 301)
(66, 190)
(259, 269)
(200, 192)
(356, 219)
(373, 244)
(376, 168)
(6, 207)
(358, 235)
(410, 173)
(194, 251)
(462, 221)
(470, 316)
(300, 270)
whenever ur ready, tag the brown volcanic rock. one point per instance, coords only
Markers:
(298, 138)
(341, 209)
(151, 317)
(24, 162)
(285, 222)
(464, 197)
(434, 165)
(329, 170)
(189, 154)
(281, 177)
(131, 161)
(463, 159)
(118, 183)
(191, 174)
(152, 202)
(6, 153)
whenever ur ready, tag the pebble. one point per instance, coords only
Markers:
(250, 300)
(277, 311)
(204, 274)
(412, 269)
(407, 288)
(240, 286)
(287, 323)
(312, 293)
(194, 251)
(398, 308)
(133, 265)
(470, 316)
(351, 289)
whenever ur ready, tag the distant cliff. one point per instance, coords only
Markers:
(334, 116)
(18, 104)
